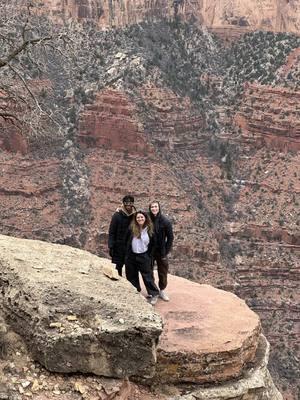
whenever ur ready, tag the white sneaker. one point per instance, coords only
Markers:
(153, 300)
(163, 295)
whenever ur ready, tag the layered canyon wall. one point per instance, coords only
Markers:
(225, 17)
(224, 167)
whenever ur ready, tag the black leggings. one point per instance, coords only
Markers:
(136, 263)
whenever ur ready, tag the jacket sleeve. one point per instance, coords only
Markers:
(151, 245)
(128, 241)
(169, 236)
(112, 231)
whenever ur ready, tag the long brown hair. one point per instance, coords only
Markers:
(147, 224)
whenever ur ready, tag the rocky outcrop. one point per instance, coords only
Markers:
(29, 200)
(256, 383)
(72, 316)
(111, 122)
(276, 15)
(77, 315)
(209, 335)
(174, 116)
(269, 115)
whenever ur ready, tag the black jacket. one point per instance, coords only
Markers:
(163, 233)
(118, 228)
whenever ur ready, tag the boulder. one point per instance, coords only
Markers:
(209, 335)
(73, 317)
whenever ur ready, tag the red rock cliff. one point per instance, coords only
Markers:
(275, 15)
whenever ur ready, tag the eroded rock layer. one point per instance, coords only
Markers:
(256, 384)
(276, 15)
(111, 122)
(271, 116)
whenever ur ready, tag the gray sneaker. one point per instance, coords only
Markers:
(153, 300)
(163, 295)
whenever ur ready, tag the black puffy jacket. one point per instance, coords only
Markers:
(117, 235)
(163, 234)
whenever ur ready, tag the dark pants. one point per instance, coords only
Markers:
(119, 268)
(162, 270)
(140, 263)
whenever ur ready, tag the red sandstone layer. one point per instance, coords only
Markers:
(270, 115)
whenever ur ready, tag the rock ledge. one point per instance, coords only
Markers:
(209, 335)
(72, 316)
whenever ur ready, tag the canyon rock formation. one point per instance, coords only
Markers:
(77, 316)
(224, 17)
(211, 131)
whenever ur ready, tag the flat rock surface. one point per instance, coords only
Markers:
(73, 317)
(209, 334)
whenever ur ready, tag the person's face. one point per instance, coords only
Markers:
(154, 208)
(128, 205)
(140, 219)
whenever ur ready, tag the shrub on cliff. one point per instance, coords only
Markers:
(40, 65)
(258, 55)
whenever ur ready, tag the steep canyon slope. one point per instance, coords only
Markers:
(211, 132)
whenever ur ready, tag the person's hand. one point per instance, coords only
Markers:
(111, 252)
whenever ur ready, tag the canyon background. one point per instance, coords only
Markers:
(193, 103)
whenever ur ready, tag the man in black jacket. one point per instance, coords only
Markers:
(117, 232)
(164, 240)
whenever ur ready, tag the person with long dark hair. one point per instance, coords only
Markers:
(140, 242)
(164, 240)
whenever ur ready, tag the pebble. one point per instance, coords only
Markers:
(35, 386)
(71, 318)
(55, 325)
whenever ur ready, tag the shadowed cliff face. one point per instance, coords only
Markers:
(205, 130)
(227, 18)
